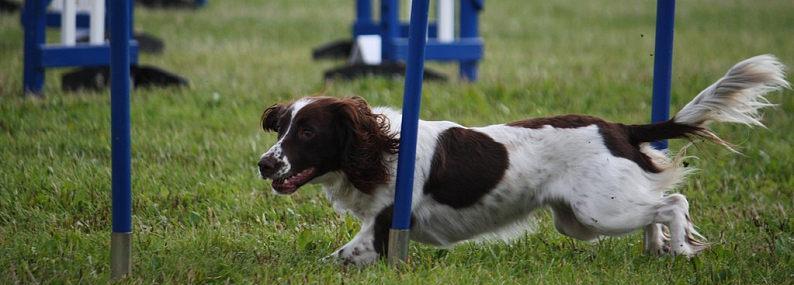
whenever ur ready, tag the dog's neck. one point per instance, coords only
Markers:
(344, 196)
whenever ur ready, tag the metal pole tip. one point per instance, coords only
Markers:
(398, 246)
(120, 255)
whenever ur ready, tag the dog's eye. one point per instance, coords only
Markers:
(306, 134)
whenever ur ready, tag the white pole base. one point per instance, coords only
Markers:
(367, 50)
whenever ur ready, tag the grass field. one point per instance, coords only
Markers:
(201, 214)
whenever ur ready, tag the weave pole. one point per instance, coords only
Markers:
(663, 64)
(412, 96)
(120, 239)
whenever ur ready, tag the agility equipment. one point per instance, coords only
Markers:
(77, 19)
(120, 60)
(378, 48)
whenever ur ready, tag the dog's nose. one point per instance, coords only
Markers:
(267, 166)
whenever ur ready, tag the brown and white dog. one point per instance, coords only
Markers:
(599, 178)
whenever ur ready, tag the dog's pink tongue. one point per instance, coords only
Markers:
(284, 186)
(291, 184)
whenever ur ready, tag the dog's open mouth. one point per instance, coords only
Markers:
(291, 183)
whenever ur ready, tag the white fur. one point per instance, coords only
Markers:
(737, 96)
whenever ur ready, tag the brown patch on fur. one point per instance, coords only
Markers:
(562, 122)
(369, 139)
(666, 130)
(621, 140)
(466, 165)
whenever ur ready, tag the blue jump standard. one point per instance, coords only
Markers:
(38, 55)
(79, 55)
(467, 50)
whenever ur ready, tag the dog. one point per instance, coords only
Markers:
(599, 178)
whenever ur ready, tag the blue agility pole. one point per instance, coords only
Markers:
(120, 242)
(401, 218)
(663, 64)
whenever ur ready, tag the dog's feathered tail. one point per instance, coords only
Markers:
(736, 97)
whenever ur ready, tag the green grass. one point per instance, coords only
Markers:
(201, 215)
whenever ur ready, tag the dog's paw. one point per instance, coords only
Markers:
(358, 255)
(659, 250)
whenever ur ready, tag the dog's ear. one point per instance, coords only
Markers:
(366, 142)
(359, 101)
(270, 117)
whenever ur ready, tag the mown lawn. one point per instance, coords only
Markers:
(201, 215)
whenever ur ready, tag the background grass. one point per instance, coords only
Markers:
(201, 215)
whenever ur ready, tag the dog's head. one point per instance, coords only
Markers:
(318, 135)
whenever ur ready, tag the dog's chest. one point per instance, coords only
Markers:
(347, 199)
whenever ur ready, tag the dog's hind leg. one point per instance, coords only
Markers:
(606, 217)
(656, 241)
(566, 223)
(604, 202)
(684, 239)
(610, 203)
(619, 198)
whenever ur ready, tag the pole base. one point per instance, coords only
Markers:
(7, 6)
(98, 78)
(120, 255)
(338, 49)
(398, 246)
(171, 4)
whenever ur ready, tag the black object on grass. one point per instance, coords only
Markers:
(97, 78)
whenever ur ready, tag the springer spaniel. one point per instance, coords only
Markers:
(599, 178)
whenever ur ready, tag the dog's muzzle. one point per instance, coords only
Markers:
(268, 166)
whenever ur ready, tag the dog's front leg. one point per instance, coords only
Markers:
(361, 249)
